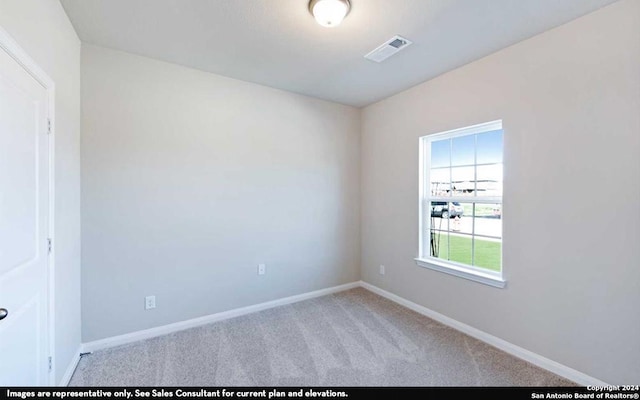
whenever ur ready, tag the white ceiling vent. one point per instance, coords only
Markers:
(388, 48)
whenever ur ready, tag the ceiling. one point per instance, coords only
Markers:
(277, 43)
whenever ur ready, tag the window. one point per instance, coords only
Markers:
(461, 203)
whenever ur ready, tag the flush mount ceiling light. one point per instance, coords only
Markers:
(329, 13)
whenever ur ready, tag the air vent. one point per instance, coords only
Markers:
(387, 49)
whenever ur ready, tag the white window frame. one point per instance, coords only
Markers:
(491, 278)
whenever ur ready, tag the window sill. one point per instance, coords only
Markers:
(451, 269)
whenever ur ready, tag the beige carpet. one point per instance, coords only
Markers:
(352, 338)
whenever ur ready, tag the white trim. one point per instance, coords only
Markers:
(468, 130)
(422, 176)
(510, 348)
(71, 368)
(207, 319)
(462, 272)
(424, 224)
(8, 44)
(13, 49)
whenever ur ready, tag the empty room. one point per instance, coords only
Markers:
(325, 196)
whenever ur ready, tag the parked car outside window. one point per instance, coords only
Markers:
(442, 210)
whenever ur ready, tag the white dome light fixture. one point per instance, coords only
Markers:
(329, 13)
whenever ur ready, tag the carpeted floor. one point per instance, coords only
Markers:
(352, 338)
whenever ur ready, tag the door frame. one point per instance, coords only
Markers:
(15, 51)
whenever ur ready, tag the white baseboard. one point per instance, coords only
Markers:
(207, 319)
(535, 359)
(71, 368)
(510, 348)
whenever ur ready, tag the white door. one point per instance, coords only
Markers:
(24, 216)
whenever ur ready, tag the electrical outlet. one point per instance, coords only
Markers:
(149, 302)
(262, 269)
(382, 270)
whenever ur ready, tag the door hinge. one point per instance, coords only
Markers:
(48, 126)
(50, 363)
(49, 244)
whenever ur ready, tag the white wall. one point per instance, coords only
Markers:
(43, 30)
(190, 179)
(570, 102)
